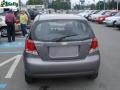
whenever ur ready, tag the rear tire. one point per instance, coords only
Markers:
(28, 79)
(92, 76)
(114, 23)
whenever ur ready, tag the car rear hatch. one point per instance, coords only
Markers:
(63, 50)
(54, 43)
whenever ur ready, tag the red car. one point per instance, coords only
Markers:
(103, 17)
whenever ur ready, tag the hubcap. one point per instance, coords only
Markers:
(4, 32)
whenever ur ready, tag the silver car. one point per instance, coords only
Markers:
(61, 45)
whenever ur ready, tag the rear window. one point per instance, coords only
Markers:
(66, 30)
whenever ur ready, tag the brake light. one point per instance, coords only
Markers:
(94, 45)
(30, 47)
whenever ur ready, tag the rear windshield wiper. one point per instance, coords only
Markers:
(61, 38)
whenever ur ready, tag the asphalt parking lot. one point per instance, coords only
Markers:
(12, 70)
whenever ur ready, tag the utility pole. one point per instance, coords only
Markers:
(45, 2)
(109, 4)
(104, 5)
(99, 4)
(117, 5)
(113, 4)
(19, 5)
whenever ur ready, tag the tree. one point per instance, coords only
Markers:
(77, 7)
(100, 5)
(58, 4)
(35, 2)
(92, 6)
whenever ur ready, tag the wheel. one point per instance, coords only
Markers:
(4, 32)
(92, 76)
(114, 23)
(28, 79)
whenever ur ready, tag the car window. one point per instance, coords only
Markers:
(103, 13)
(113, 13)
(107, 13)
(118, 14)
(96, 12)
(100, 12)
(50, 30)
(2, 12)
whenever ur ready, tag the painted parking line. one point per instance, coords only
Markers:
(11, 70)
(3, 85)
(13, 67)
(17, 44)
(11, 52)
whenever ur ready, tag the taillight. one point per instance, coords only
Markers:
(94, 45)
(30, 47)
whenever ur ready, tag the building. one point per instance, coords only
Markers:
(38, 7)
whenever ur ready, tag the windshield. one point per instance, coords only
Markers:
(107, 13)
(113, 13)
(100, 12)
(103, 13)
(65, 29)
(118, 14)
(2, 12)
(95, 12)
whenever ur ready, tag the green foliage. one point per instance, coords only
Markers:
(100, 5)
(78, 7)
(57, 5)
(109, 5)
(35, 2)
(92, 6)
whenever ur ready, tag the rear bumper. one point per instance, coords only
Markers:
(36, 67)
(117, 24)
(100, 21)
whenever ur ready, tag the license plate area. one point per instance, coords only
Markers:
(63, 51)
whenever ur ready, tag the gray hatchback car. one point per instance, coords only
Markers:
(61, 45)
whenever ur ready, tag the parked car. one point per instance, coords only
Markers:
(89, 13)
(61, 45)
(33, 13)
(117, 23)
(110, 21)
(95, 17)
(94, 12)
(3, 26)
(84, 13)
(108, 14)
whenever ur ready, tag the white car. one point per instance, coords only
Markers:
(3, 26)
(84, 13)
(110, 21)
